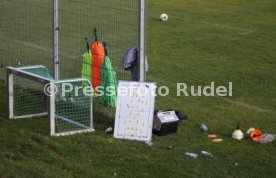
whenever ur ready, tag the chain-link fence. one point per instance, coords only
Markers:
(116, 23)
(25, 33)
(28, 33)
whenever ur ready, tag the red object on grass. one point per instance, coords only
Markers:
(212, 136)
(255, 135)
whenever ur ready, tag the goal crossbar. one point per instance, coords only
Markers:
(51, 100)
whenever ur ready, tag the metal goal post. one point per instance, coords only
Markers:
(33, 92)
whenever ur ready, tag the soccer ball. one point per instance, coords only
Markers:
(164, 17)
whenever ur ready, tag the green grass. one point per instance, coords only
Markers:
(203, 42)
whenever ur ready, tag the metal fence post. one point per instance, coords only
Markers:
(51, 110)
(10, 94)
(142, 40)
(56, 40)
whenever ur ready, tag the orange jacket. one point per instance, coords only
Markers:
(97, 61)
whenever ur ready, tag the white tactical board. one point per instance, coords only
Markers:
(134, 112)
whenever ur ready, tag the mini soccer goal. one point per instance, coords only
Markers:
(32, 92)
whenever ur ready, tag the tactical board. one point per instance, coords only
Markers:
(134, 112)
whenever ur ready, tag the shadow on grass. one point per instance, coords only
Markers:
(103, 116)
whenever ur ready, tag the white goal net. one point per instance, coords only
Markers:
(33, 92)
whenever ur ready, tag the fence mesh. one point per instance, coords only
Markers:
(26, 35)
(116, 23)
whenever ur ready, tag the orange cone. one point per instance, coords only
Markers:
(255, 135)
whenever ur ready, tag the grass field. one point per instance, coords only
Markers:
(202, 42)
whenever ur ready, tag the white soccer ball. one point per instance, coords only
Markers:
(164, 17)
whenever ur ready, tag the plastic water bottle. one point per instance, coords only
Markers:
(207, 153)
(203, 127)
(192, 155)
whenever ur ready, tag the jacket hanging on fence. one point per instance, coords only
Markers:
(108, 84)
(86, 66)
(97, 61)
(131, 62)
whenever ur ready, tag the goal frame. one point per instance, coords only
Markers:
(11, 71)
